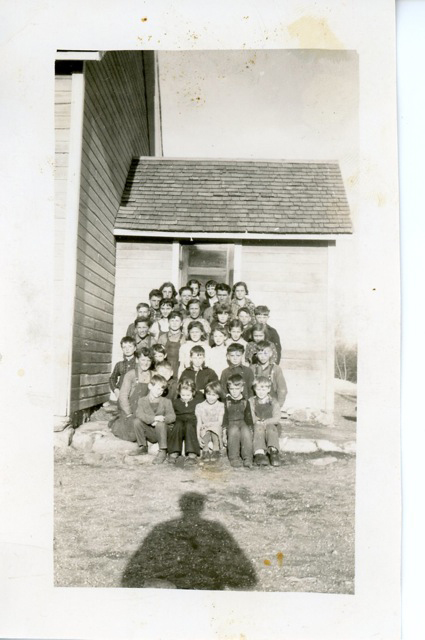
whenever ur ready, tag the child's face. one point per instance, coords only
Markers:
(167, 292)
(235, 391)
(235, 358)
(142, 329)
(264, 355)
(244, 317)
(156, 390)
(222, 296)
(195, 334)
(158, 357)
(223, 317)
(262, 391)
(235, 333)
(240, 292)
(218, 338)
(143, 312)
(210, 290)
(128, 349)
(258, 336)
(194, 311)
(197, 359)
(175, 323)
(211, 397)
(144, 363)
(195, 289)
(186, 395)
(155, 300)
(262, 318)
(164, 372)
(166, 309)
(186, 295)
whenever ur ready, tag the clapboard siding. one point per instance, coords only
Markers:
(95, 311)
(141, 267)
(292, 280)
(115, 130)
(90, 357)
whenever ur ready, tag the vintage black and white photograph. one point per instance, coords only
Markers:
(205, 313)
(201, 327)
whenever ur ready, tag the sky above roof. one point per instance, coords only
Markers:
(286, 104)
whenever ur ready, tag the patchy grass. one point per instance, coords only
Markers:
(120, 524)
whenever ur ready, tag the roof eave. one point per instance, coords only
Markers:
(139, 233)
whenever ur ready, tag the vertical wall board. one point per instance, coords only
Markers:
(115, 131)
(292, 280)
(62, 97)
(141, 267)
(63, 94)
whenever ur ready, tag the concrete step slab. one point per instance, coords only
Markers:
(297, 445)
(323, 462)
(328, 446)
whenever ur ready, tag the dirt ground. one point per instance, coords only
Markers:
(130, 523)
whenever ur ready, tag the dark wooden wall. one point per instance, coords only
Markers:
(115, 130)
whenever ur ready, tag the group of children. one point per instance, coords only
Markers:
(203, 372)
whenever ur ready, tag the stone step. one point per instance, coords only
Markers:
(96, 437)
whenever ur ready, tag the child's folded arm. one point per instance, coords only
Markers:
(113, 380)
(225, 422)
(169, 416)
(199, 423)
(248, 417)
(281, 388)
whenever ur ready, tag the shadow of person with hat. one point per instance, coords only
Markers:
(190, 553)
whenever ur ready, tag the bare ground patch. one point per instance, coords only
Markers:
(293, 524)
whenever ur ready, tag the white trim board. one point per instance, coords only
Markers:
(230, 236)
(80, 55)
(64, 368)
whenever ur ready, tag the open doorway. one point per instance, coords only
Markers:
(206, 261)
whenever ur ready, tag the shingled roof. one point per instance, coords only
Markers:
(234, 196)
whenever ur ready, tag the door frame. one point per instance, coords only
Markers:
(233, 253)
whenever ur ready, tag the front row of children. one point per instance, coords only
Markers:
(195, 411)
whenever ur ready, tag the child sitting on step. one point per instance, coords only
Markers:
(184, 429)
(237, 423)
(209, 421)
(266, 368)
(265, 414)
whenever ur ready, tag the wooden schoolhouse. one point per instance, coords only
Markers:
(106, 106)
(141, 219)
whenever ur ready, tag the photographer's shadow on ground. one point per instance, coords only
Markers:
(190, 553)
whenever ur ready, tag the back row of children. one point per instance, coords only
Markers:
(206, 374)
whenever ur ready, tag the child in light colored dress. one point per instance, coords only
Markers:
(198, 337)
(218, 353)
(209, 421)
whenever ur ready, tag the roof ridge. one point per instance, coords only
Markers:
(242, 160)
